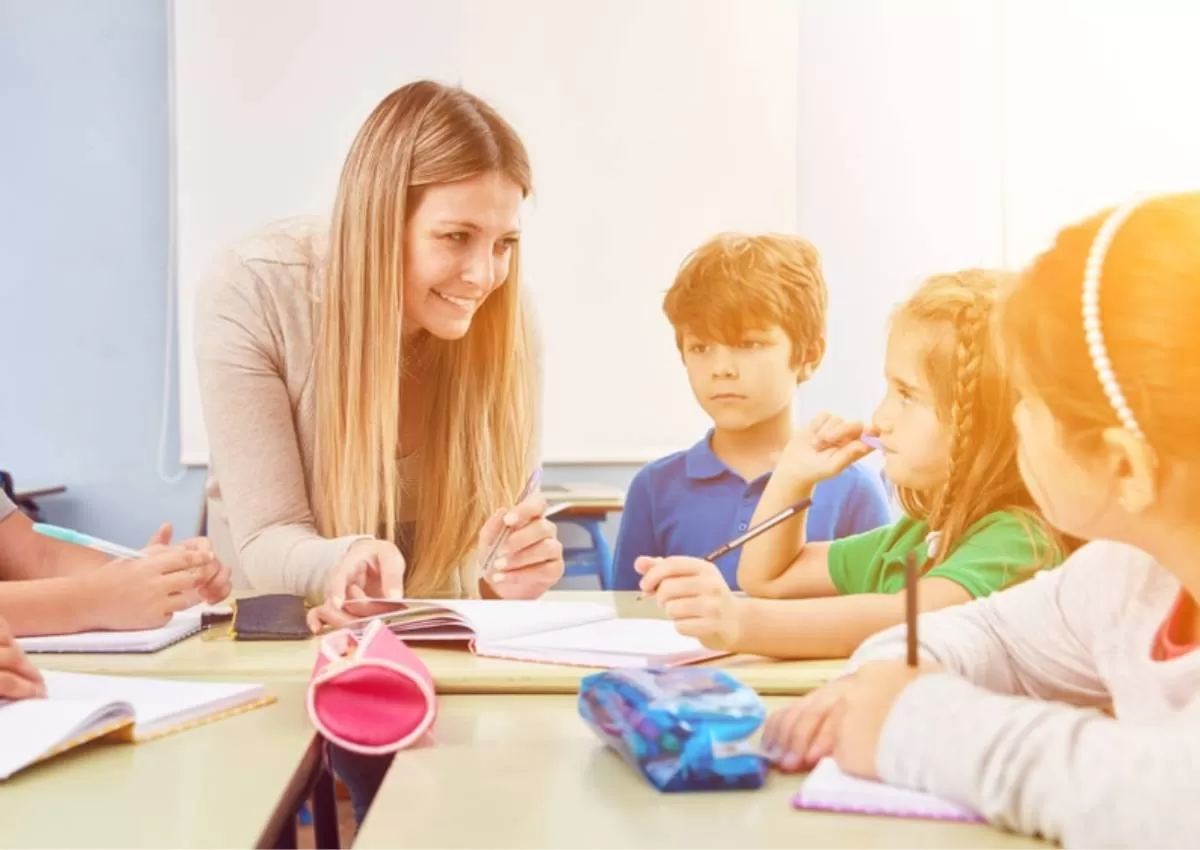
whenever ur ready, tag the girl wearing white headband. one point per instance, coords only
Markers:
(1069, 706)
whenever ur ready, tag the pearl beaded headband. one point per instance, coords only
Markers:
(1091, 316)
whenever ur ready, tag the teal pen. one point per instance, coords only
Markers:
(66, 535)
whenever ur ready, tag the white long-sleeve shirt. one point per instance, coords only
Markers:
(1019, 733)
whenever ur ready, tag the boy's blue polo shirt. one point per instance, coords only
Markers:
(690, 502)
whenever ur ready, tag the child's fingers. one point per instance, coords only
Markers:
(695, 627)
(643, 563)
(824, 738)
(666, 568)
(218, 585)
(818, 422)
(14, 659)
(13, 686)
(162, 537)
(837, 432)
(851, 453)
(175, 560)
(683, 587)
(790, 734)
(686, 608)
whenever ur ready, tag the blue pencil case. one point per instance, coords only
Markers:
(682, 728)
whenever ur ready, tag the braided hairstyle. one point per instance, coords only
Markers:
(974, 396)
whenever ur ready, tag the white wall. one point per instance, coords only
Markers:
(902, 138)
(650, 126)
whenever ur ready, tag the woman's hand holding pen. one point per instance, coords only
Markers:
(694, 594)
(823, 448)
(529, 560)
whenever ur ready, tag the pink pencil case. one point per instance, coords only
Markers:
(371, 695)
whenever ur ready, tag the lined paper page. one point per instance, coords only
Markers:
(30, 728)
(156, 702)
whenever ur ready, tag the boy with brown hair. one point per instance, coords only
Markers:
(749, 319)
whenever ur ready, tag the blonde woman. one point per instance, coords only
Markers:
(370, 384)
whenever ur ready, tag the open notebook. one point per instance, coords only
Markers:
(576, 633)
(827, 788)
(182, 624)
(81, 708)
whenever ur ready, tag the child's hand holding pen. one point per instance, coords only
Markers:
(522, 556)
(693, 594)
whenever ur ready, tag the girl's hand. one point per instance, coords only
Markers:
(798, 736)
(530, 561)
(871, 692)
(823, 448)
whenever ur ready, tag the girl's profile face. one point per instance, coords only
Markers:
(916, 443)
(1088, 489)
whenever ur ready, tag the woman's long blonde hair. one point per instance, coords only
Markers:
(974, 395)
(479, 394)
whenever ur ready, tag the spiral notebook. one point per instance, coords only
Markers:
(183, 624)
(828, 789)
(80, 708)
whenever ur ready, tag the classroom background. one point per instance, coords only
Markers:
(994, 118)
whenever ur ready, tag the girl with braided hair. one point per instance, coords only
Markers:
(1067, 707)
(945, 428)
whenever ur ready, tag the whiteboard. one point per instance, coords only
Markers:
(902, 139)
(650, 125)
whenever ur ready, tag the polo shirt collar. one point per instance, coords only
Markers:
(701, 463)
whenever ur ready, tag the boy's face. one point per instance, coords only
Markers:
(743, 383)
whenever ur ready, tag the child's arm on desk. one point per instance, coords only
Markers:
(25, 554)
(117, 595)
(693, 593)
(833, 627)
(1027, 640)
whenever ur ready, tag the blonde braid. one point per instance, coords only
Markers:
(970, 330)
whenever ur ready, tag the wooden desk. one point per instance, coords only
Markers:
(232, 783)
(455, 671)
(591, 501)
(526, 772)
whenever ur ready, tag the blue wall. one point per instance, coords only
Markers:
(83, 262)
(83, 265)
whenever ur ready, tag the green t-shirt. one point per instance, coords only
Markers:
(999, 550)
